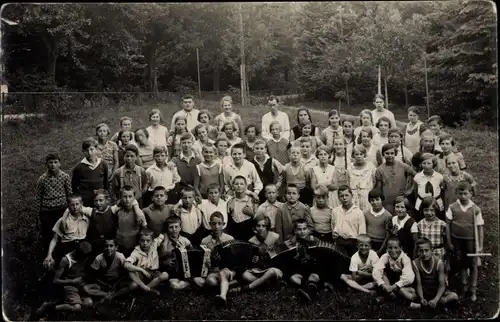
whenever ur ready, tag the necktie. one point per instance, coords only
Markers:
(429, 188)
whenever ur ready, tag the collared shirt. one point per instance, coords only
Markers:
(398, 224)
(282, 119)
(161, 177)
(92, 166)
(190, 220)
(211, 242)
(309, 163)
(169, 244)
(436, 180)
(246, 170)
(52, 190)
(109, 273)
(356, 262)
(191, 118)
(434, 231)
(350, 223)
(235, 208)
(322, 219)
(270, 210)
(479, 216)
(208, 208)
(187, 158)
(401, 264)
(135, 177)
(70, 228)
(147, 260)
(377, 214)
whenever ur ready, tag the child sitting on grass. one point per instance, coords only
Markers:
(361, 267)
(430, 278)
(393, 272)
(143, 263)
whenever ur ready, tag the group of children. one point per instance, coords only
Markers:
(397, 200)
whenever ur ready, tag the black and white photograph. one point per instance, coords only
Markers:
(249, 161)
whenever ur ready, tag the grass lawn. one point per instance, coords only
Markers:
(25, 144)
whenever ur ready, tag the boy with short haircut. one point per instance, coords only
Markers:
(308, 159)
(157, 213)
(377, 220)
(209, 172)
(430, 277)
(222, 145)
(306, 278)
(191, 216)
(240, 210)
(143, 263)
(435, 124)
(188, 112)
(90, 174)
(361, 267)
(103, 222)
(321, 215)
(51, 196)
(271, 206)
(460, 237)
(268, 168)
(212, 204)
(242, 167)
(125, 125)
(393, 272)
(130, 174)
(291, 211)
(160, 175)
(186, 162)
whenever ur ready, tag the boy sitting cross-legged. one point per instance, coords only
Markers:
(430, 277)
(361, 267)
(143, 263)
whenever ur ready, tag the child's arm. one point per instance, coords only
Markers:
(361, 223)
(49, 260)
(378, 270)
(139, 216)
(175, 179)
(314, 181)
(449, 220)
(407, 275)
(144, 183)
(63, 281)
(308, 217)
(442, 285)
(278, 225)
(196, 183)
(378, 182)
(149, 179)
(418, 284)
(115, 184)
(116, 160)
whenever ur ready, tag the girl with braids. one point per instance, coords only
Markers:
(403, 154)
(365, 139)
(350, 138)
(413, 129)
(341, 161)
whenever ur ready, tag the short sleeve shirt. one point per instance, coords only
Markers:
(357, 263)
(109, 272)
(147, 260)
(70, 228)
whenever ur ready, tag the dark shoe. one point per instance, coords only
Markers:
(219, 301)
(312, 290)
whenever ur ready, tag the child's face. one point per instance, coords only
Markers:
(376, 203)
(208, 154)
(126, 124)
(464, 195)
(321, 200)
(323, 156)
(186, 145)
(222, 148)
(305, 149)
(53, 165)
(159, 198)
(251, 133)
(393, 249)
(259, 150)
(364, 248)
(239, 186)
(365, 138)
(358, 155)
(202, 134)
(379, 103)
(127, 198)
(140, 138)
(412, 117)
(302, 231)
(177, 150)
(400, 210)
(204, 118)
(155, 119)
(452, 165)
(91, 153)
(160, 158)
(174, 230)
(261, 229)
(425, 251)
(428, 143)
(130, 158)
(145, 242)
(348, 128)
(188, 198)
(292, 195)
(109, 248)
(306, 130)
(334, 120)
(303, 117)
(213, 195)
(366, 120)
(216, 224)
(275, 131)
(389, 155)
(229, 130)
(427, 165)
(187, 104)
(227, 106)
(338, 145)
(273, 104)
(429, 213)
(126, 138)
(446, 145)
(271, 194)
(238, 155)
(75, 205)
(394, 138)
(100, 202)
(345, 198)
(180, 126)
(383, 127)
(102, 133)
(434, 127)
(294, 154)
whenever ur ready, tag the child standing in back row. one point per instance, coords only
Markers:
(108, 150)
(333, 130)
(413, 130)
(277, 146)
(228, 115)
(158, 133)
(125, 125)
(380, 111)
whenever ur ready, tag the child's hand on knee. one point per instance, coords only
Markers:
(432, 303)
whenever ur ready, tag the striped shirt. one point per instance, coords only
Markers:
(52, 190)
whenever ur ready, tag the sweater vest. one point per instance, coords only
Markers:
(462, 225)
(266, 175)
(375, 226)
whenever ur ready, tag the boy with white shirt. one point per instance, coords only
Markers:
(212, 204)
(308, 159)
(159, 174)
(242, 167)
(191, 216)
(275, 115)
(271, 206)
(188, 111)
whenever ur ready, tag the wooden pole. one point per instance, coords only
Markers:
(386, 94)
(379, 91)
(198, 66)
(242, 57)
(426, 87)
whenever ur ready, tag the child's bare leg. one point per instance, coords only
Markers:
(408, 293)
(270, 274)
(369, 286)
(473, 281)
(448, 297)
(199, 282)
(138, 281)
(122, 292)
(212, 279)
(69, 307)
(94, 290)
(87, 302)
(463, 280)
(347, 278)
(178, 285)
(157, 281)
(224, 275)
(248, 277)
(296, 279)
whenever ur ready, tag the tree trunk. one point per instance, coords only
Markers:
(426, 87)
(386, 95)
(216, 77)
(52, 56)
(152, 80)
(286, 75)
(406, 92)
(347, 94)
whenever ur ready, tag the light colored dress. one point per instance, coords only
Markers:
(326, 177)
(412, 137)
(361, 182)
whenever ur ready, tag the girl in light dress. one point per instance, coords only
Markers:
(341, 161)
(324, 174)
(229, 116)
(383, 125)
(372, 151)
(413, 129)
(158, 134)
(361, 177)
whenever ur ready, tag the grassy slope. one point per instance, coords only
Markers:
(23, 150)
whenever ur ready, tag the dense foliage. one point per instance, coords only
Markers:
(329, 50)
